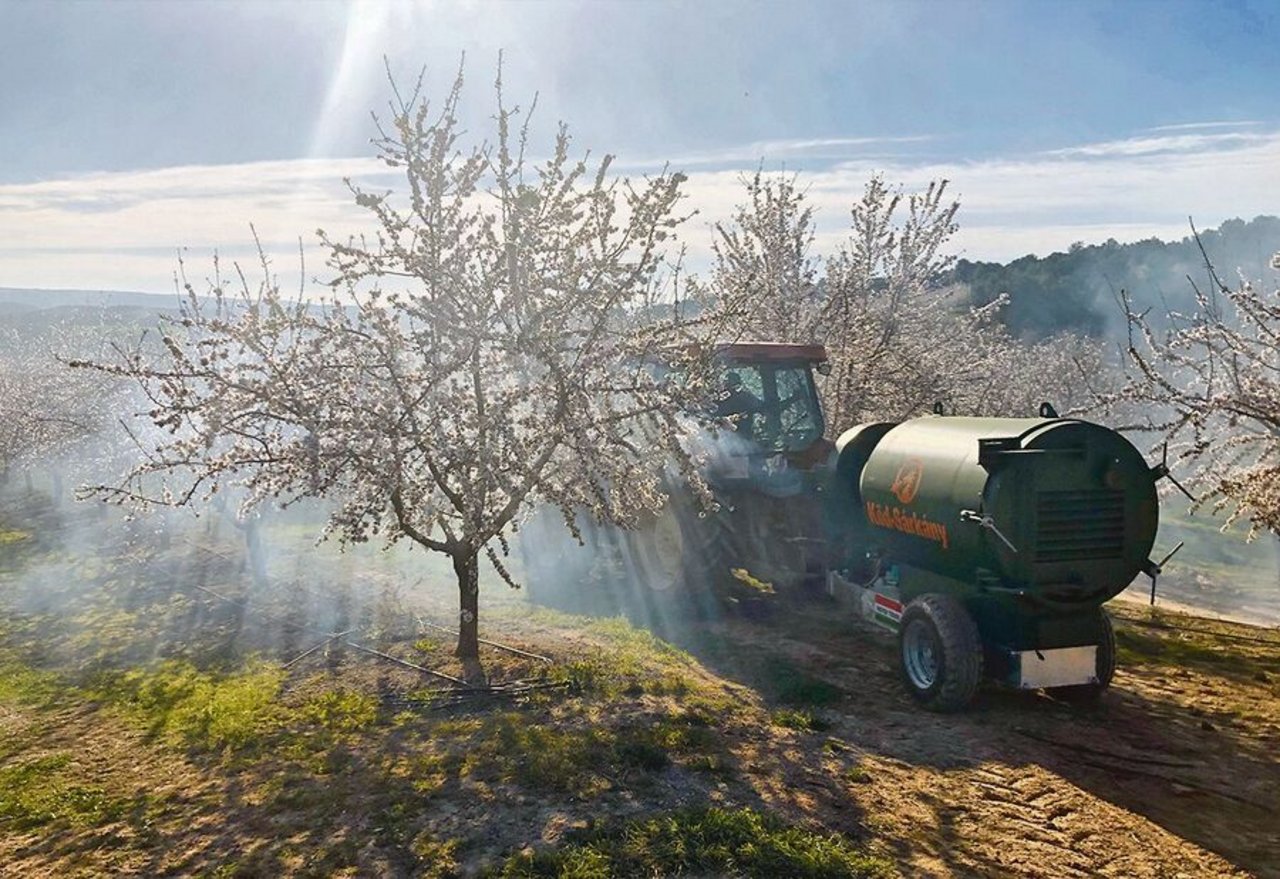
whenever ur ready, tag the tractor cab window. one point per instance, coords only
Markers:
(741, 400)
(798, 415)
(776, 407)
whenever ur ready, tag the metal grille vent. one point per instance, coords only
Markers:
(1079, 525)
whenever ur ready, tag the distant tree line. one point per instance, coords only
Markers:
(1078, 291)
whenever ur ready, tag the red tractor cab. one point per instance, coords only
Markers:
(767, 464)
(766, 459)
(769, 396)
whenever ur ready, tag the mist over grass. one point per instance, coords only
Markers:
(111, 586)
(157, 636)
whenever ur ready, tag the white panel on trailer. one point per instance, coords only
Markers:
(1060, 667)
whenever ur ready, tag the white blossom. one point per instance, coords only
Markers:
(1209, 386)
(898, 336)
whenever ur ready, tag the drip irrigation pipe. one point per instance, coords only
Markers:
(398, 661)
(516, 650)
(331, 637)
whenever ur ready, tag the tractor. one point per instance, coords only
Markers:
(767, 471)
(767, 468)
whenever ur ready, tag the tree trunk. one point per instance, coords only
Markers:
(467, 567)
(253, 547)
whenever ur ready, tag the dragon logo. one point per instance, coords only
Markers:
(907, 482)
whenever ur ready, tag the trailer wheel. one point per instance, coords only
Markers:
(940, 652)
(1085, 693)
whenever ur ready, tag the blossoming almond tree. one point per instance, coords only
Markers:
(897, 338)
(1210, 386)
(481, 351)
(46, 409)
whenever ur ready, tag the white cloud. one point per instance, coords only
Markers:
(1044, 202)
(1168, 143)
(1192, 126)
(120, 231)
(123, 230)
(751, 154)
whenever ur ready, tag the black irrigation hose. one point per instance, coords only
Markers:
(450, 698)
(459, 682)
(1154, 624)
(508, 648)
(332, 638)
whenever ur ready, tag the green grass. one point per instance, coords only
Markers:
(633, 662)
(799, 719)
(437, 857)
(581, 760)
(857, 775)
(699, 842)
(1136, 646)
(15, 547)
(341, 711)
(10, 536)
(790, 685)
(509, 747)
(42, 791)
(644, 720)
(202, 710)
(21, 684)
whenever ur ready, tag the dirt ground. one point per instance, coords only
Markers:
(1173, 773)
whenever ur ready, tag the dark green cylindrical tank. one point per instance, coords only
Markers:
(1050, 512)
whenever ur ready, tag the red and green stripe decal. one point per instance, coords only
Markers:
(888, 611)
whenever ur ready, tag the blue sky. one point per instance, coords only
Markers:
(129, 129)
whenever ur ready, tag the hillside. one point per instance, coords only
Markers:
(1076, 291)
(27, 299)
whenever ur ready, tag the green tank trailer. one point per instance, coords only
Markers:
(991, 544)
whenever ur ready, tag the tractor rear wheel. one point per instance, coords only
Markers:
(1085, 693)
(681, 560)
(660, 550)
(940, 652)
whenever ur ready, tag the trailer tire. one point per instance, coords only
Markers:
(1086, 693)
(939, 653)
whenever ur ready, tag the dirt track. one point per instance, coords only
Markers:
(1174, 773)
